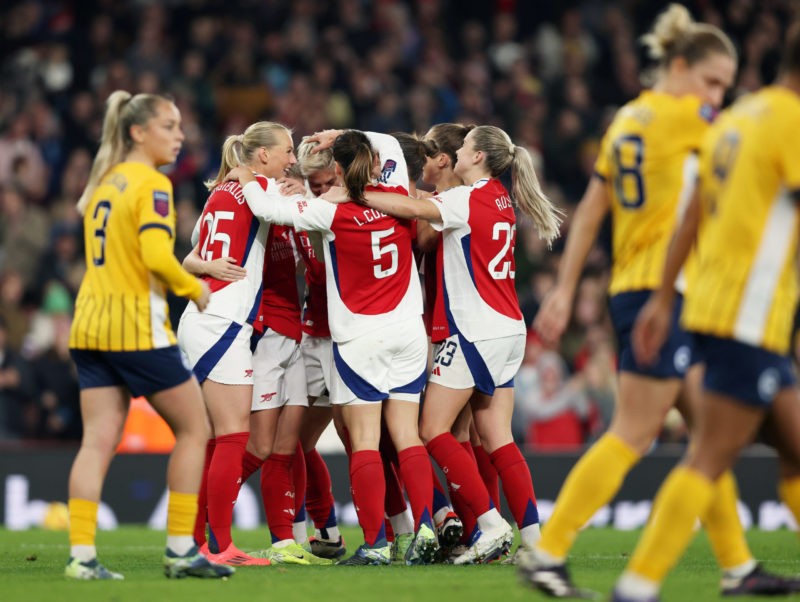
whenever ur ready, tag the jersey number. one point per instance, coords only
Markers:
(628, 183)
(498, 270)
(213, 221)
(378, 252)
(104, 208)
(725, 155)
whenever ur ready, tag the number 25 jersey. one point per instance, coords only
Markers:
(648, 160)
(479, 232)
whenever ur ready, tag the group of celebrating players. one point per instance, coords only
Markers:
(366, 350)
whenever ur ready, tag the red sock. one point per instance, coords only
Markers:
(319, 496)
(488, 473)
(369, 490)
(414, 462)
(202, 498)
(517, 484)
(224, 480)
(457, 464)
(395, 503)
(300, 478)
(250, 464)
(277, 491)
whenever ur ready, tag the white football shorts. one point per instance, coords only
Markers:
(387, 362)
(485, 365)
(217, 348)
(318, 359)
(279, 377)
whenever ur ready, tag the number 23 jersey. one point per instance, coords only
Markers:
(648, 160)
(479, 232)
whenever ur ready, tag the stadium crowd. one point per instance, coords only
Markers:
(550, 73)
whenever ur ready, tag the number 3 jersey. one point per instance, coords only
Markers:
(478, 234)
(121, 305)
(648, 161)
(228, 228)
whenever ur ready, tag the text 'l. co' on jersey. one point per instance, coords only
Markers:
(479, 232)
(745, 287)
(121, 305)
(648, 160)
(228, 228)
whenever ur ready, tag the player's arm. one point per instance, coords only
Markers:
(654, 320)
(158, 257)
(223, 268)
(396, 205)
(427, 237)
(265, 206)
(551, 321)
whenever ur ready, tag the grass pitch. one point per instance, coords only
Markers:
(32, 564)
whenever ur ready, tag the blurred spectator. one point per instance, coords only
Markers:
(555, 409)
(16, 391)
(23, 233)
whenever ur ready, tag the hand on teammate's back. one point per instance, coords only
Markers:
(290, 186)
(336, 194)
(225, 269)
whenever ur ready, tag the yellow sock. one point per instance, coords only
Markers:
(683, 497)
(181, 512)
(82, 522)
(722, 524)
(789, 492)
(593, 481)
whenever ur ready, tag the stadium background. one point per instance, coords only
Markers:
(551, 73)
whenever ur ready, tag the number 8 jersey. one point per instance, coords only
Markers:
(479, 232)
(648, 160)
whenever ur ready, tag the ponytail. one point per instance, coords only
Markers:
(232, 152)
(530, 197)
(500, 154)
(353, 151)
(122, 112)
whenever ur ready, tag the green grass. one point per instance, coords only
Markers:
(31, 565)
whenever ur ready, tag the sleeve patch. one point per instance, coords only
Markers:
(708, 113)
(388, 169)
(161, 202)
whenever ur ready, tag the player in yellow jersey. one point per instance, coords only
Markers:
(645, 173)
(740, 304)
(121, 340)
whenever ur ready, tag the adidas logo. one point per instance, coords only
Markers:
(436, 371)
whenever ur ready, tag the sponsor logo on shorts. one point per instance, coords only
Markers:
(436, 371)
(267, 397)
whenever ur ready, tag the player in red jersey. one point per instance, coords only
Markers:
(375, 306)
(487, 333)
(217, 344)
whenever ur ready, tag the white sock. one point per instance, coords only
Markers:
(742, 570)
(282, 543)
(180, 544)
(440, 514)
(83, 553)
(489, 520)
(546, 559)
(299, 532)
(530, 536)
(402, 523)
(328, 534)
(637, 587)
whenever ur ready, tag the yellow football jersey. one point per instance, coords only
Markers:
(648, 159)
(120, 305)
(745, 286)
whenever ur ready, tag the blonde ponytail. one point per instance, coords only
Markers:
(111, 146)
(531, 199)
(232, 155)
(500, 154)
(676, 34)
(122, 112)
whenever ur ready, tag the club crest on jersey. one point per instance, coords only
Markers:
(161, 202)
(387, 170)
(708, 113)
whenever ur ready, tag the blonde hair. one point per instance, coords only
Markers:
(500, 154)
(676, 34)
(242, 148)
(311, 162)
(122, 112)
